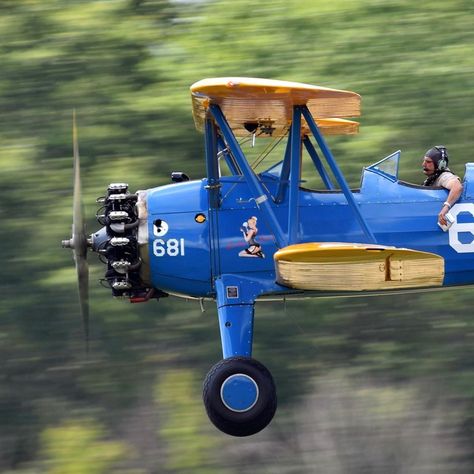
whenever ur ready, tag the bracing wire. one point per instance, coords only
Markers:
(259, 159)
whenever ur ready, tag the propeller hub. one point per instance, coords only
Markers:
(67, 244)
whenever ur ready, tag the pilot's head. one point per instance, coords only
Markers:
(435, 159)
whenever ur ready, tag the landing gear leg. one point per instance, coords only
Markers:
(239, 393)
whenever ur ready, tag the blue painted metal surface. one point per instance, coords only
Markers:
(235, 297)
(179, 257)
(239, 393)
(236, 328)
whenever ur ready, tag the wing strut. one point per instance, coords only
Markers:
(258, 193)
(213, 184)
(317, 163)
(285, 172)
(222, 151)
(295, 176)
(213, 188)
(337, 174)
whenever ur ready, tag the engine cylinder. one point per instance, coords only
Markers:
(117, 242)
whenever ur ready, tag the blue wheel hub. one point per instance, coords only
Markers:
(239, 392)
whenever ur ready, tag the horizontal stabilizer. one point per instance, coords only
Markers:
(339, 266)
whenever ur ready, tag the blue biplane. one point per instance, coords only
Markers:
(247, 236)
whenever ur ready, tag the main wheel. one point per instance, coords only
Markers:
(239, 395)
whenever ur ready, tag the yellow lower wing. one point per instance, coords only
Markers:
(339, 266)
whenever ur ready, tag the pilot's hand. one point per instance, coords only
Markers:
(442, 214)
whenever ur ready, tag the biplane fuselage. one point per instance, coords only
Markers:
(398, 213)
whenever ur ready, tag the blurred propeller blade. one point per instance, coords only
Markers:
(79, 236)
(82, 269)
(78, 242)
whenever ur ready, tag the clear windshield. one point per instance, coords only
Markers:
(387, 167)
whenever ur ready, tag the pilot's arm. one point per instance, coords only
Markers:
(455, 189)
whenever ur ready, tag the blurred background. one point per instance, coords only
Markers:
(366, 385)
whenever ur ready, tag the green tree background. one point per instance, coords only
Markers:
(364, 385)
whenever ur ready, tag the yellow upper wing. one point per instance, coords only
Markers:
(269, 104)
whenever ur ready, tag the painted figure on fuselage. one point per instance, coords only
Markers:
(249, 230)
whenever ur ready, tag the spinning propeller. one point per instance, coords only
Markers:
(79, 241)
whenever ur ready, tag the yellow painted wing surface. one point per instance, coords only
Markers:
(336, 266)
(269, 104)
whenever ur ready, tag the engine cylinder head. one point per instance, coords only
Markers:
(117, 187)
(118, 216)
(119, 241)
(117, 197)
(121, 266)
(121, 285)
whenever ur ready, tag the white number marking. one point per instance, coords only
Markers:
(170, 247)
(457, 228)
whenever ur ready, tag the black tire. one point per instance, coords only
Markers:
(249, 421)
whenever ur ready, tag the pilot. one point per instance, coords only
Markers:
(435, 168)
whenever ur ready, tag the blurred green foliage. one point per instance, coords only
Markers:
(77, 448)
(133, 404)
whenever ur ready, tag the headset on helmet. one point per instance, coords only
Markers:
(443, 161)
